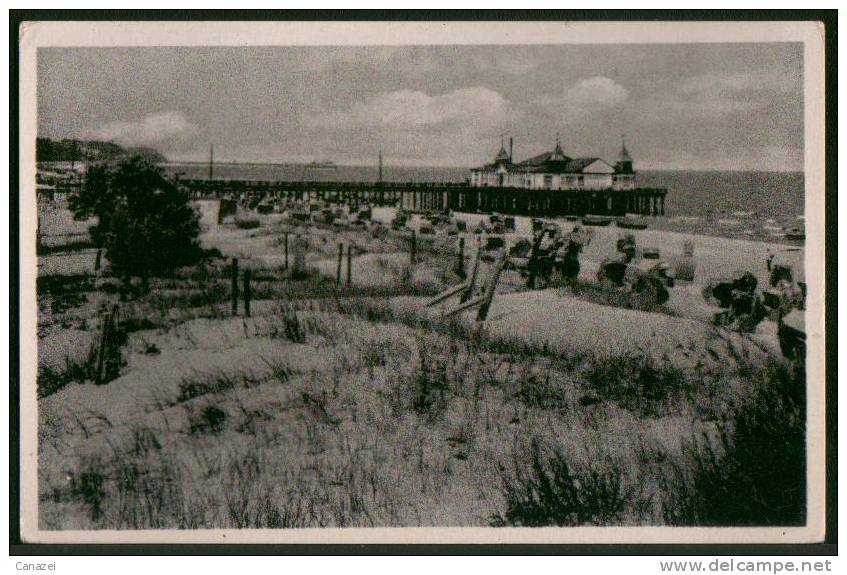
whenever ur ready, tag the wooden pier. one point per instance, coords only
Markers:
(434, 197)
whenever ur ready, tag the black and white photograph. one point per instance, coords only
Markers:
(317, 282)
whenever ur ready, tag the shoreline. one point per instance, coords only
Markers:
(468, 168)
(716, 220)
(523, 227)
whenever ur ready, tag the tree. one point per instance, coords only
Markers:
(145, 223)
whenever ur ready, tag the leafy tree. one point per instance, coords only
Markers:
(144, 222)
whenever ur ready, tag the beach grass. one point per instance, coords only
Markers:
(346, 407)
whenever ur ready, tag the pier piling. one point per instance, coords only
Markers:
(431, 196)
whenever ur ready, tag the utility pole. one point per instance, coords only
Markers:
(380, 165)
(211, 161)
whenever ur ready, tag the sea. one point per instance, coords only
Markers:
(725, 203)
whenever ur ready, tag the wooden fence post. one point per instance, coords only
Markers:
(448, 293)
(349, 265)
(234, 273)
(247, 292)
(491, 287)
(104, 343)
(460, 262)
(463, 306)
(97, 260)
(101, 354)
(338, 267)
(474, 271)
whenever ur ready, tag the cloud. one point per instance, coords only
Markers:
(475, 107)
(151, 130)
(597, 90)
(586, 98)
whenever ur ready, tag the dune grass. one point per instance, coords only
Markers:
(428, 423)
(415, 420)
(754, 474)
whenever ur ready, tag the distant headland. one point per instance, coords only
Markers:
(48, 150)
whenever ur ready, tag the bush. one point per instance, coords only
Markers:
(291, 327)
(551, 493)
(430, 384)
(547, 391)
(637, 382)
(89, 486)
(754, 474)
(145, 223)
(189, 388)
(63, 292)
(133, 489)
(210, 419)
(51, 380)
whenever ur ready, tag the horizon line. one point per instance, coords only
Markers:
(425, 166)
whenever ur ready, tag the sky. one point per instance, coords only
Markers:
(682, 106)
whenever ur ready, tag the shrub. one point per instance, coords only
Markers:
(189, 388)
(89, 486)
(64, 291)
(291, 328)
(636, 382)
(545, 391)
(754, 473)
(210, 420)
(51, 380)
(144, 221)
(551, 492)
(430, 384)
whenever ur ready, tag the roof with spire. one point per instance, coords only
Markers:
(502, 155)
(554, 162)
(624, 164)
(557, 155)
(624, 156)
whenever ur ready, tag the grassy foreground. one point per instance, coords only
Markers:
(346, 407)
(396, 420)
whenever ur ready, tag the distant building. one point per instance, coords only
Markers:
(556, 171)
